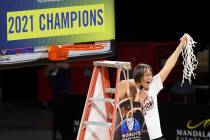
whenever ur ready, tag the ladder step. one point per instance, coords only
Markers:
(113, 64)
(101, 100)
(110, 90)
(97, 123)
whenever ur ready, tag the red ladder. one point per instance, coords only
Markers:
(99, 114)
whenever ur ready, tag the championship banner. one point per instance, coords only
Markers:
(30, 23)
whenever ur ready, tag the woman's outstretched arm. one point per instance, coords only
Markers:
(171, 61)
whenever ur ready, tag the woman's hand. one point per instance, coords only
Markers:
(184, 37)
(183, 40)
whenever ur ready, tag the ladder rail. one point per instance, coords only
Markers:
(86, 109)
(115, 104)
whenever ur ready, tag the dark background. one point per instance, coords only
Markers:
(139, 20)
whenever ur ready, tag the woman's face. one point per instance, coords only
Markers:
(146, 79)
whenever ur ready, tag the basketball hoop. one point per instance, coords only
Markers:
(60, 52)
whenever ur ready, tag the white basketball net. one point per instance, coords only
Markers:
(189, 60)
